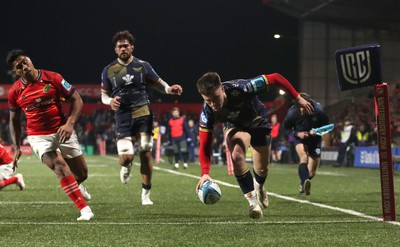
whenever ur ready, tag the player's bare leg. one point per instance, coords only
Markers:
(260, 163)
(304, 174)
(79, 169)
(59, 166)
(238, 142)
(146, 166)
(146, 170)
(125, 160)
(126, 156)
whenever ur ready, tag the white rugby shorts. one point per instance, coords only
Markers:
(46, 143)
(6, 171)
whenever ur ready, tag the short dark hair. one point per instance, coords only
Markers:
(13, 55)
(123, 35)
(305, 96)
(208, 83)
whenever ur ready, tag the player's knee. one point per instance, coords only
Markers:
(125, 160)
(261, 172)
(146, 143)
(238, 157)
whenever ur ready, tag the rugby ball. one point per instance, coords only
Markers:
(209, 193)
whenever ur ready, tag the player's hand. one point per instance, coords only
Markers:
(303, 135)
(175, 89)
(65, 132)
(203, 179)
(302, 103)
(312, 132)
(17, 155)
(115, 104)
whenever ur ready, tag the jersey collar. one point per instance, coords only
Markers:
(123, 63)
(36, 79)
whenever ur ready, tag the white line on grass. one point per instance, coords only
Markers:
(35, 202)
(331, 174)
(192, 223)
(346, 211)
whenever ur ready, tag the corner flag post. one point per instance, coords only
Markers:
(360, 67)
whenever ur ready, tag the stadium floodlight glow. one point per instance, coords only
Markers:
(277, 36)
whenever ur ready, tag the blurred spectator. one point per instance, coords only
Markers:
(276, 152)
(363, 135)
(178, 135)
(348, 140)
(193, 136)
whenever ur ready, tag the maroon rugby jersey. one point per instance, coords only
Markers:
(41, 101)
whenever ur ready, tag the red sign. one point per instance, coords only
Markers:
(25, 150)
(89, 90)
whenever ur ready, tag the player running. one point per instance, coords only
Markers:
(235, 103)
(125, 85)
(7, 175)
(299, 123)
(51, 135)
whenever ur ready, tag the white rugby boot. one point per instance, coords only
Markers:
(255, 211)
(262, 196)
(307, 187)
(125, 174)
(146, 197)
(85, 193)
(20, 182)
(86, 214)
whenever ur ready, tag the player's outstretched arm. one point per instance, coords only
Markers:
(204, 157)
(282, 82)
(15, 132)
(204, 178)
(163, 87)
(175, 89)
(302, 103)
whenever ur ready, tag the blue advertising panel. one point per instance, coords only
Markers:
(368, 157)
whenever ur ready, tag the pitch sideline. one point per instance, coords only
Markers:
(342, 210)
(368, 218)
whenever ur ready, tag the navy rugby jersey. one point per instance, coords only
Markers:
(295, 122)
(243, 109)
(130, 82)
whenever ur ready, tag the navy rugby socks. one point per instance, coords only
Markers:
(303, 172)
(260, 180)
(245, 182)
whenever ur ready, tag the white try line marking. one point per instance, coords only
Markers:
(35, 202)
(192, 223)
(346, 211)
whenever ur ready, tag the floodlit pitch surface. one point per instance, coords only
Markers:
(344, 209)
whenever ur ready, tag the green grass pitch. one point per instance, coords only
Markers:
(344, 209)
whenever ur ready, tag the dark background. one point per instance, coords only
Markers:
(182, 39)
